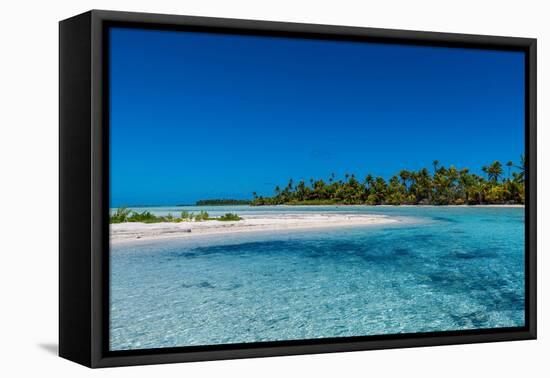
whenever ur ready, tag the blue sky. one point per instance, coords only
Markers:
(197, 116)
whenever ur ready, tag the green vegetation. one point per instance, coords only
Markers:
(202, 216)
(123, 214)
(229, 217)
(221, 202)
(187, 216)
(445, 186)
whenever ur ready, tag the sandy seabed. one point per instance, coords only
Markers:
(133, 231)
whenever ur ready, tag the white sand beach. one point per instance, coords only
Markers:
(132, 231)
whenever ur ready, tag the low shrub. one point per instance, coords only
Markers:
(229, 217)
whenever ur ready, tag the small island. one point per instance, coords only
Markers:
(445, 186)
(222, 202)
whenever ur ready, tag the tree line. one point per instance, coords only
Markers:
(221, 202)
(499, 184)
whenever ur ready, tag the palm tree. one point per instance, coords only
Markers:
(477, 188)
(465, 180)
(510, 164)
(485, 170)
(435, 163)
(290, 184)
(368, 181)
(494, 171)
(300, 190)
(453, 176)
(425, 185)
(442, 186)
(319, 189)
(405, 175)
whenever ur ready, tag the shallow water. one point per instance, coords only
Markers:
(448, 268)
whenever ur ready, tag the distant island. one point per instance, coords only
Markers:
(222, 202)
(445, 186)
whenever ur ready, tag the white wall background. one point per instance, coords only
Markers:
(29, 185)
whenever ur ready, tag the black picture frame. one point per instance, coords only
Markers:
(84, 188)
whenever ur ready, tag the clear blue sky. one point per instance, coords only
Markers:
(198, 116)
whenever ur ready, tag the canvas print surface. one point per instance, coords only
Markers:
(274, 189)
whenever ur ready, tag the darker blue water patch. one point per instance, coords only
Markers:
(477, 319)
(264, 247)
(378, 257)
(184, 254)
(232, 249)
(495, 294)
(402, 252)
(328, 249)
(273, 321)
(448, 280)
(340, 250)
(233, 286)
(478, 253)
(423, 237)
(201, 285)
(382, 254)
(444, 219)
(206, 285)
(507, 300)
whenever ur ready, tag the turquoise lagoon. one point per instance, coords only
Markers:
(441, 269)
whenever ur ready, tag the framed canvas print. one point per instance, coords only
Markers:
(233, 188)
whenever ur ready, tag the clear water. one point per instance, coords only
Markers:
(449, 268)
